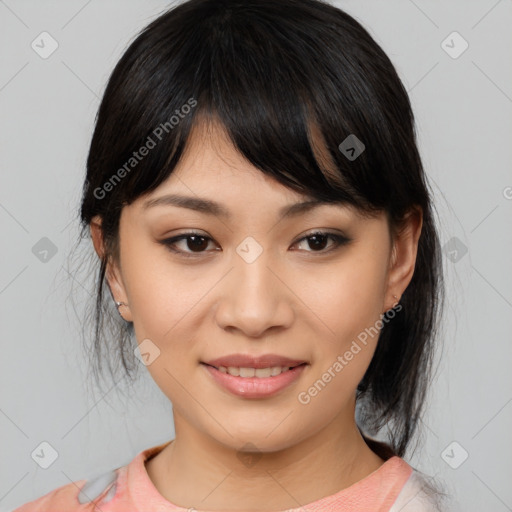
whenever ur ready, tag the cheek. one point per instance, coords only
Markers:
(349, 296)
(165, 303)
(348, 303)
(161, 293)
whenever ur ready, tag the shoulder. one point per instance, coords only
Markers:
(107, 491)
(83, 495)
(419, 494)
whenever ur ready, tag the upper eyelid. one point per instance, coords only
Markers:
(316, 231)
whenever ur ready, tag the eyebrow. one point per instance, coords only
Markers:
(210, 207)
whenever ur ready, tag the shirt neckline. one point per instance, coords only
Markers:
(388, 479)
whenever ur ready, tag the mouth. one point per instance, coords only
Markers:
(254, 383)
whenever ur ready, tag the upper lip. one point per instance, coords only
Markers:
(247, 361)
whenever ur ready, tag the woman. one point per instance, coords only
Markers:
(265, 229)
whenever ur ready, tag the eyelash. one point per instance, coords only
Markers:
(339, 241)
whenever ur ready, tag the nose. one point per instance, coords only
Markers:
(254, 298)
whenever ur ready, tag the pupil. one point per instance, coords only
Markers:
(198, 243)
(316, 244)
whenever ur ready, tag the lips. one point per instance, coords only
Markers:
(255, 387)
(247, 361)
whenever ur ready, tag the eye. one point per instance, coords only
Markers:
(195, 243)
(319, 239)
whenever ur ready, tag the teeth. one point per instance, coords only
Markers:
(254, 372)
(275, 370)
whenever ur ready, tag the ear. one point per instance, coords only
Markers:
(112, 273)
(403, 256)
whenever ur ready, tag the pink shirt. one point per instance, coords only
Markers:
(393, 487)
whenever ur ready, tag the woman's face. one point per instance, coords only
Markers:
(251, 282)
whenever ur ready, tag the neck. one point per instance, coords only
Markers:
(197, 471)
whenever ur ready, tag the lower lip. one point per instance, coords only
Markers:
(255, 387)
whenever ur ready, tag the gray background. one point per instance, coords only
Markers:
(463, 108)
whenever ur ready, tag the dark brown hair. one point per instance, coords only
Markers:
(271, 71)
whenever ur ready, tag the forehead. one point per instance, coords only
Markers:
(214, 178)
(210, 159)
(211, 166)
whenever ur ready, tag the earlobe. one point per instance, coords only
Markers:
(112, 275)
(117, 290)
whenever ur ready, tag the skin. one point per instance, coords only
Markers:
(293, 300)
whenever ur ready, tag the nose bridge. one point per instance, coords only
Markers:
(254, 300)
(253, 277)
